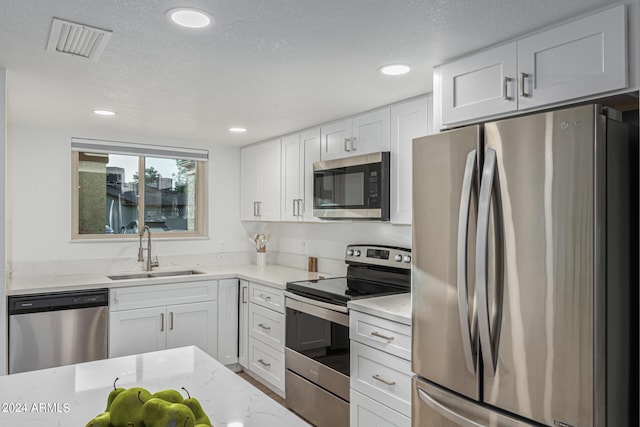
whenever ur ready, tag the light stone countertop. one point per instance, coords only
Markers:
(392, 307)
(272, 275)
(72, 395)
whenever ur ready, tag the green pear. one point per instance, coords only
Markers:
(172, 396)
(196, 408)
(126, 409)
(102, 420)
(113, 394)
(160, 413)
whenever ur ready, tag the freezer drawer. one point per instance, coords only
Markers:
(435, 407)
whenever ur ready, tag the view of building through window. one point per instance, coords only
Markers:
(115, 198)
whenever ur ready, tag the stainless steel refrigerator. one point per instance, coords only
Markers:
(524, 249)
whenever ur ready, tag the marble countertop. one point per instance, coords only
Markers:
(271, 275)
(72, 395)
(393, 307)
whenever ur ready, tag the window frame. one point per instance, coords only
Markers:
(200, 195)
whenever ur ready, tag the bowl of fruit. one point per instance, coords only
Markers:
(137, 407)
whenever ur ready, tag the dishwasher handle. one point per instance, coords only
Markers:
(55, 301)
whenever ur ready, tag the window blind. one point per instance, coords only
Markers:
(129, 148)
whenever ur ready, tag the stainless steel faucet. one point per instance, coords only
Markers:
(150, 263)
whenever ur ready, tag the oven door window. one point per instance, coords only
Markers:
(319, 339)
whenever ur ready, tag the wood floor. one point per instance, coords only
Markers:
(262, 388)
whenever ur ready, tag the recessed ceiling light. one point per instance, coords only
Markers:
(189, 18)
(394, 69)
(104, 113)
(237, 130)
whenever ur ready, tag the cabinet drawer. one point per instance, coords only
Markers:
(383, 334)
(267, 326)
(158, 295)
(266, 296)
(383, 377)
(366, 412)
(267, 363)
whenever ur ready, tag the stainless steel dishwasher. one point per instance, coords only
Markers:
(55, 329)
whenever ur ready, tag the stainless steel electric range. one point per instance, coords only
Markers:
(317, 329)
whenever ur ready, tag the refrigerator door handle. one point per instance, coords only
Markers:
(463, 284)
(482, 267)
(446, 412)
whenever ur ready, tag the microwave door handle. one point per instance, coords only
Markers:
(482, 263)
(462, 273)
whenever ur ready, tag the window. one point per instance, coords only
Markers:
(120, 188)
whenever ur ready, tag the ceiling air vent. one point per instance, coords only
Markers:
(77, 39)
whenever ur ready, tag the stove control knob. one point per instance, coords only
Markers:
(350, 252)
(407, 258)
(356, 252)
(398, 258)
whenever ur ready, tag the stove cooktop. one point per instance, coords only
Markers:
(341, 290)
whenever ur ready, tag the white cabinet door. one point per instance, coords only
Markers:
(228, 321)
(371, 132)
(336, 139)
(408, 120)
(260, 181)
(267, 363)
(269, 207)
(243, 325)
(310, 145)
(250, 184)
(480, 85)
(292, 178)
(193, 324)
(137, 331)
(366, 412)
(581, 58)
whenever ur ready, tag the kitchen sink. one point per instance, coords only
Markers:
(151, 274)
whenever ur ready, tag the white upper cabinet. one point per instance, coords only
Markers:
(409, 120)
(362, 134)
(580, 59)
(585, 57)
(480, 83)
(299, 152)
(260, 181)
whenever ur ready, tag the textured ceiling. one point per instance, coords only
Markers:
(273, 66)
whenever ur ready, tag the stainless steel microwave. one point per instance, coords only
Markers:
(354, 187)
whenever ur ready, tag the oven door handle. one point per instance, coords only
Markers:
(334, 313)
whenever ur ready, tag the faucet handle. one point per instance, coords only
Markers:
(155, 262)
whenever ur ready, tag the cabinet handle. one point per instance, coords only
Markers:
(265, 327)
(244, 295)
(265, 297)
(300, 207)
(379, 335)
(263, 363)
(382, 380)
(255, 208)
(523, 77)
(505, 88)
(171, 320)
(161, 322)
(116, 298)
(259, 208)
(354, 144)
(346, 144)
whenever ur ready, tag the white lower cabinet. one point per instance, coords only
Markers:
(366, 412)
(261, 334)
(156, 317)
(380, 372)
(228, 321)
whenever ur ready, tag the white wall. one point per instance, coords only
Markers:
(39, 209)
